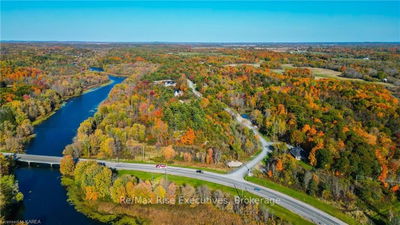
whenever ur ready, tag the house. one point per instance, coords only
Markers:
(166, 83)
(298, 153)
(169, 83)
(232, 164)
(178, 93)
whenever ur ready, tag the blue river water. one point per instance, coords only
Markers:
(58, 131)
(96, 69)
(45, 199)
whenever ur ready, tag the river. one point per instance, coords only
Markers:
(45, 199)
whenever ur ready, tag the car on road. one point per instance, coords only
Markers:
(161, 166)
(199, 171)
(257, 189)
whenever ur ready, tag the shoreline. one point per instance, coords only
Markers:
(88, 90)
(93, 88)
(115, 75)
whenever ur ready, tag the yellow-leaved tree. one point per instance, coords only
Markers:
(67, 165)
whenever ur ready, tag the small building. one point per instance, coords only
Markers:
(178, 93)
(166, 83)
(233, 164)
(298, 153)
(169, 83)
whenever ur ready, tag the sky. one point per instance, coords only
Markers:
(201, 21)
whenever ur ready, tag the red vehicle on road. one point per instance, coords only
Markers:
(161, 166)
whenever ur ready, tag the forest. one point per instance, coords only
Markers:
(10, 196)
(348, 129)
(368, 63)
(33, 84)
(340, 124)
(162, 123)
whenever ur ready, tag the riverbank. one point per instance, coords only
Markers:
(88, 90)
(45, 199)
(52, 135)
(95, 87)
(114, 75)
(11, 197)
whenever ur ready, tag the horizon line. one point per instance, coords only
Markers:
(200, 42)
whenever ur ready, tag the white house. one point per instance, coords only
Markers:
(166, 83)
(169, 83)
(178, 93)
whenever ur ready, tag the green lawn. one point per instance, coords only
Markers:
(275, 209)
(304, 198)
(394, 206)
(327, 73)
(202, 168)
(305, 165)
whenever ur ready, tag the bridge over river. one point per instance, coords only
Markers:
(36, 159)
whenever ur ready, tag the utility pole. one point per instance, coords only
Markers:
(248, 169)
(143, 153)
(165, 170)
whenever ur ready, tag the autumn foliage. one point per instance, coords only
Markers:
(67, 165)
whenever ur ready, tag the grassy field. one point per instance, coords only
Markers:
(200, 54)
(275, 209)
(305, 165)
(317, 72)
(220, 171)
(304, 198)
(244, 64)
(325, 73)
(321, 73)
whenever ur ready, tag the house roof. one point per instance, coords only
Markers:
(298, 152)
